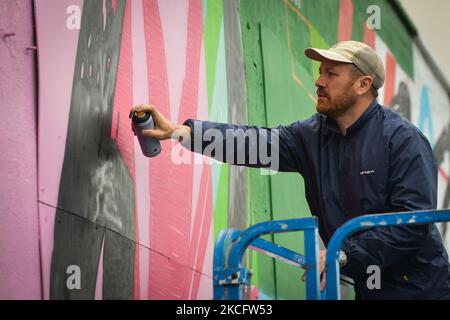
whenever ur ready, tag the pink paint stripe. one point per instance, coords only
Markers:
(369, 36)
(171, 186)
(443, 174)
(99, 282)
(175, 40)
(207, 214)
(389, 86)
(345, 20)
(204, 207)
(189, 103)
(162, 205)
(189, 97)
(121, 125)
(142, 182)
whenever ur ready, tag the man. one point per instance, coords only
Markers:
(356, 158)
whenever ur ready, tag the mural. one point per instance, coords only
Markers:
(138, 228)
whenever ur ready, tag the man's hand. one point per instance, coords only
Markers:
(164, 128)
(322, 255)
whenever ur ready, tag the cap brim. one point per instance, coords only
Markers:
(321, 54)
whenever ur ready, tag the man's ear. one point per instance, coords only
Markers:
(364, 84)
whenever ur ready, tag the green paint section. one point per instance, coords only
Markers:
(317, 42)
(213, 25)
(296, 35)
(282, 21)
(324, 17)
(260, 197)
(286, 101)
(393, 31)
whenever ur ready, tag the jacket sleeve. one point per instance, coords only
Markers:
(277, 148)
(412, 186)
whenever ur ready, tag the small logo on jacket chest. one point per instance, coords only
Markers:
(366, 172)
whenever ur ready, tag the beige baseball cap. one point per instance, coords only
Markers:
(364, 57)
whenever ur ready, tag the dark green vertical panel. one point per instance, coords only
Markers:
(237, 113)
(287, 100)
(324, 16)
(260, 198)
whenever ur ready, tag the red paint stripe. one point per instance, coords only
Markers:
(159, 170)
(345, 20)
(369, 36)
(443, 174)
(120, 129)
(389, 90)
(188, 109)
(206, 212)
(171, 185)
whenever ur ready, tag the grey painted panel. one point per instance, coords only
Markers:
(237, 187)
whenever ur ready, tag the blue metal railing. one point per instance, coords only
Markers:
(332, 291)
(230, 275)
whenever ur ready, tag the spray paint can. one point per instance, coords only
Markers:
(143, 120)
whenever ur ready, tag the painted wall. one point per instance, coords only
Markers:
(140, 228)
(19, 239)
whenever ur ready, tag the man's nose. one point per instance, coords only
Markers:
(320, 83)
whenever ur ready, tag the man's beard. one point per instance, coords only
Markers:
(337, 106)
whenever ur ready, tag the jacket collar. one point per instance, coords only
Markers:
(330, 124)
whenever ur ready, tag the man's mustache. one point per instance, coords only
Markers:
(321, 93)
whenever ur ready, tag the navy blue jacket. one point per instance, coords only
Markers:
(383, 164)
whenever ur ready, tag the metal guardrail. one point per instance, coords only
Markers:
(332, 291)
(230, 276)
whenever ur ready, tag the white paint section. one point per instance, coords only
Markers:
(438, 98)
(208, 263)
(141, 163)
(401, 76)
(205, 290)
(144, 267)
(174, 23)
(219, 106)
(202, 113)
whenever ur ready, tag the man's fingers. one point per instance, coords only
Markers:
(322, 282)
(304, 276)
(141, 107)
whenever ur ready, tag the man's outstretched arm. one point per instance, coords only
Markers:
(279, 149)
